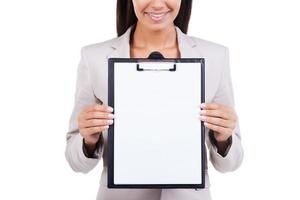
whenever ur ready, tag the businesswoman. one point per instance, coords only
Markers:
(144, 26)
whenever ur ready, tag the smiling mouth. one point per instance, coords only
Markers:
(156, 16)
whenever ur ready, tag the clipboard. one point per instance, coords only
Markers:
(157, 139)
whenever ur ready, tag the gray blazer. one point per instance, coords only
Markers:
(91, 88)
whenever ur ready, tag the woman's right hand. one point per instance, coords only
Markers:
(91, 121)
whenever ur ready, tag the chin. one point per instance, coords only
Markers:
(158, 27)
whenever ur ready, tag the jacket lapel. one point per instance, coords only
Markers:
(187, 46)
(120, 46)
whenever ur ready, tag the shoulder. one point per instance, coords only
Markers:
(94, 50)
(210, 48)
(216, 55)
(206, 44)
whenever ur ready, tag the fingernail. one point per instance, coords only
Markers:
(111, 115)
(202, 117)
(202, 105)
(203, 112)
(110, 121)
(110, 108)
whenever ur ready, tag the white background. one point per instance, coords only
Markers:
(40, 43)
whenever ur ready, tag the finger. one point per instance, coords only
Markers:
(215, 113)
(104, 108)
(211, 106)
(98, 115)
(95, 122)
(99, 107)
(217, 106)
(92, 130)
(217, 121)
(219, 129)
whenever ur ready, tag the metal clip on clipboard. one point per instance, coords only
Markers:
(155, 56)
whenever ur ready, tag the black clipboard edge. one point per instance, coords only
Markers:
(140, 60)
(110, 174)
(202, 61)
(110, 137)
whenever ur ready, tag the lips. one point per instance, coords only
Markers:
(156, 16)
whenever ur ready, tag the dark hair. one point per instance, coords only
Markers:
(126, 16)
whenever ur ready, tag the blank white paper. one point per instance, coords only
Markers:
(157, 131)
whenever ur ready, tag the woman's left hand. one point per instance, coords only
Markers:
(219, 118)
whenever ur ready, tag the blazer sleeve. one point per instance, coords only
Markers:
(77, 158)
(234, 154)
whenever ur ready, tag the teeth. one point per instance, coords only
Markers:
(156, 17)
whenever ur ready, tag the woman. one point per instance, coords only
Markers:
(145, 26)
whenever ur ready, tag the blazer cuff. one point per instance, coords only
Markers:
(214, 143)
(96, 153)
(232, 159)
(81, 154)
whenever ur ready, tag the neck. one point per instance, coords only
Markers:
(154, 40)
